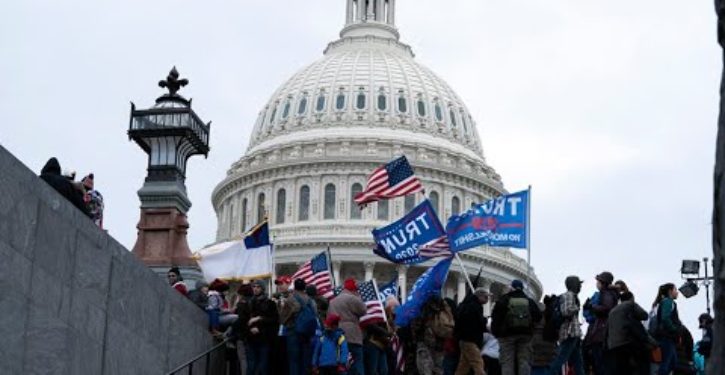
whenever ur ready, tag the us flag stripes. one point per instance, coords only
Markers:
(391, 180)
(369, 294)
(397, 347)
(317, 272)
(436, 248)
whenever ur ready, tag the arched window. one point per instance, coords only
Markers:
(455, 206)
(355, 211)
(286, 109)
(303, 213)
(340, 101)
(433, 197)
(421, 108)
(453, 119)
(329, 212)
(382, 103)
(231, 218)
(383, 210)
(320, 103)
(261, 208)
(361, 100)
(244, 215)
(439, 112)
(402, 104)
(409, 202)
(281, 205)
(302, 107)
(274, 114)
(464, 122)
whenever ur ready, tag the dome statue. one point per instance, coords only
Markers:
(365, 102)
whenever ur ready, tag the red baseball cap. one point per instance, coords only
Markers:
(283, 279)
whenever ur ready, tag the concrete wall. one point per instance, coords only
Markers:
(73, 300)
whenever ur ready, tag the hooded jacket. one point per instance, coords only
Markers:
(623, 320)
(470, 323)
(330, 349)
(51, 175)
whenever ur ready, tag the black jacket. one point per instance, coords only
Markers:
(268, 325)
(470, 323)
(51, 175)
(500, 310)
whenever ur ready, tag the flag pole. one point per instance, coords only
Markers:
(465, 273)
(329, 260)
(377, 295)
(528, 238)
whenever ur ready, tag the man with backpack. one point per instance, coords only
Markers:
(299, 316)
(513, 319)
(350, 307)
(563, 319)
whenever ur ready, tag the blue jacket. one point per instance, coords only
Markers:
(330, 349)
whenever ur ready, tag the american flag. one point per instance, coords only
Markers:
(436, 248)
(369, 294)
(317, 272)
(391, 180)
(397, 347)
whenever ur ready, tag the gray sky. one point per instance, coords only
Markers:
(607, 108)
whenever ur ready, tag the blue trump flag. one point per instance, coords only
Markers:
(416, 237)
(428, 284)
(502, 221)
(389, 289)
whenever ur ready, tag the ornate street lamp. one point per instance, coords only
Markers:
(170, 133)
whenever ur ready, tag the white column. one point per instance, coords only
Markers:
(349, 12)
(336, 271)
(403, 282)
(369, 268)
(391, 12)
(361, 10)
(380, 10)
(371, 10)
(461, 287)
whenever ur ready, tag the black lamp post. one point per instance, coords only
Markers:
(690, 271)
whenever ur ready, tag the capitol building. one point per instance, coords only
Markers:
(365, 102)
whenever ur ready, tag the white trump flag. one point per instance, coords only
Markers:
(248, 258)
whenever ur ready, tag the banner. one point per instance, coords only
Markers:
(415, 238)
(428, 284)
(249, 258)
(389, 289)
(502, 221)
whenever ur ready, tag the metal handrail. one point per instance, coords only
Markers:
(190, 363)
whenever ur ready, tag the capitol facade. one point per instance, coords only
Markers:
(365, 102)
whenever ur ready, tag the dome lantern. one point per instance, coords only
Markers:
(370, 18)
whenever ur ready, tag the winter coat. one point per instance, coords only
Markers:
(266, 309)
(500, 311)
(623, 320)
(608, 299)
(350, 308)
(330, 349)
(51, 175)
(291, 307)
(470, 323)
(668, 319)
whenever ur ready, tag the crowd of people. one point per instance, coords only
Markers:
(81, 194)
(296, 331)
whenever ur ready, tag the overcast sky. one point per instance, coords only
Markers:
(607, 108)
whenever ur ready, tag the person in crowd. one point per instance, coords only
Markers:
(331, 349)
(375, 345)
(628, 343)
(240, 328)
(470, 325)
(299, 316)
(451, 353)
(51, 175)
(685, 353)
(199, 295)
(220, 315)
(176, 281)
(322, 303)
(262, 330)
(490, 353)
(543, 351)
(704, 347)
(431, 329)
(569, 331)
(350, 307)
(93, 200)
(608, 299)
(666, 326)
(278, 357)
(513, 320)
(621, 286)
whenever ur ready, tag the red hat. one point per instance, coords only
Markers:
(350, 285)
(219, 285)
(283, 279)
(332, 320)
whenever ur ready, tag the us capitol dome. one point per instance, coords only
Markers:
(365, 102)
